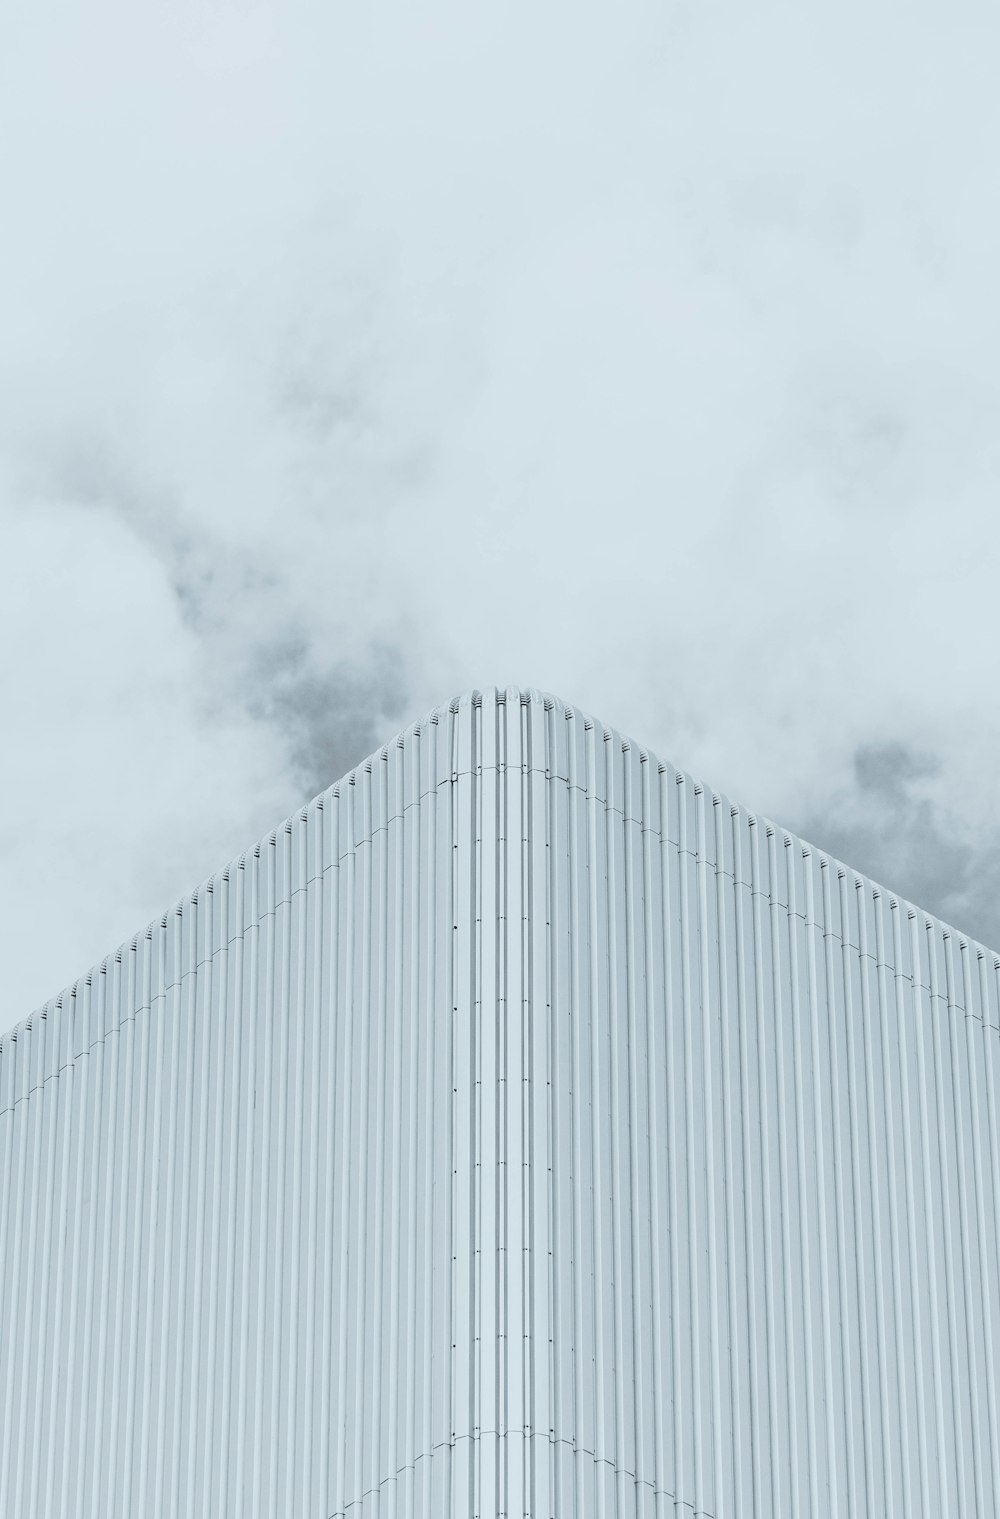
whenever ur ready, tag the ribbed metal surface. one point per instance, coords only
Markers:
(522, 1130)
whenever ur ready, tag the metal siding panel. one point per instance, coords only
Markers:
(520, 1128)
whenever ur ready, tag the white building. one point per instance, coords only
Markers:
(520, 1129)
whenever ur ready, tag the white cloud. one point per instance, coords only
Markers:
(121, 785)
(645, 355)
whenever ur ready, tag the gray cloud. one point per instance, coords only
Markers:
(887, 826)
(330, 718)
(352, 358)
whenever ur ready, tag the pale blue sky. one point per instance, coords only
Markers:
(645, 353)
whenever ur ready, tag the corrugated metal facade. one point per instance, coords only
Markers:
(520, 1129)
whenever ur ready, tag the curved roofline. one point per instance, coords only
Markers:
(474, 697)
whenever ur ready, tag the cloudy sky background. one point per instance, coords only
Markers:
(352, 356)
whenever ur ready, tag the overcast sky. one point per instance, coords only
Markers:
(355, 355)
